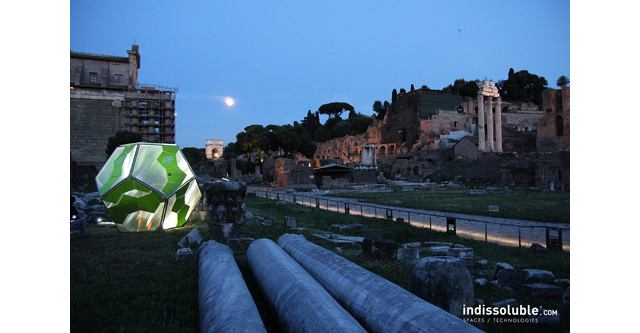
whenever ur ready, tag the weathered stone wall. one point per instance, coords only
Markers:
(93, 120)
(268, 169)
(524, 170)
(522, 122)
(347, 149)
(294, 178)
(364, 176)
(554, 127)
(402, 122)
(288, 174)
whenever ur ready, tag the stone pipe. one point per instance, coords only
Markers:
(294, 297)
(379, 305)
(224, 302)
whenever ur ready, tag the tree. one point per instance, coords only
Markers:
(194, 155)
(311, 123)
(121, 138)
(563, 81)
(463, 88)
(341, 129)
(523, 86)
(335, 109)
(330, 124)
(255, 138)
(229, 151)
(412, 88)
(321, 135)
(295, 139)
(380, 109)
(359, 124)
(394, 96)
(272, 140)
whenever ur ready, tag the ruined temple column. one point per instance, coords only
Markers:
(375, 157)
(499, 125)
(481, 143)
(490, 146)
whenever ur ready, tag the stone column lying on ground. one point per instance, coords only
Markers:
(224, 302)
(295, 298)
(379, 305)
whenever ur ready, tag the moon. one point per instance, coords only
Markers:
(229, 101)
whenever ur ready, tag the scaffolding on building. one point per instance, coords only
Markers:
(150, 111)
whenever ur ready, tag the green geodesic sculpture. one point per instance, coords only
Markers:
(146, 186)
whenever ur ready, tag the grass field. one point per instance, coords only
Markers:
(516, 204)
(127, 282)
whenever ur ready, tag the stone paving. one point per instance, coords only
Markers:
(511, 232)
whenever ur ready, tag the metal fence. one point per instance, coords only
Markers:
(503, 233)
(505, 211)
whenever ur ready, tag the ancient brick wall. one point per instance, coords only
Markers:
(554, 127)
(402, 122)
(92, 122)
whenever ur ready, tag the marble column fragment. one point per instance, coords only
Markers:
(224, 302)
(299, 302)
(379, 305)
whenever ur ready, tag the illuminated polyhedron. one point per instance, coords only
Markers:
(146, 186)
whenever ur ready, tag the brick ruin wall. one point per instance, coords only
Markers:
(554, 127)
(92, 122)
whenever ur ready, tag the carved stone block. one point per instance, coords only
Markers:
(224, 203)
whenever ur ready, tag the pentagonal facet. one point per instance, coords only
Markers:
(116, 168)
(162, 167)
(148, 186)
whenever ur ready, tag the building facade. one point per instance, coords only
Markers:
(105, 97)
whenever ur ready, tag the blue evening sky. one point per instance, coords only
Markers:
(279, 59)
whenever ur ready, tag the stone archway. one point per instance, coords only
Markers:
(382, 150)
(213, 146)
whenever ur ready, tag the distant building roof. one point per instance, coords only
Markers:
(82, 55)
(473, 139)
(333, 167)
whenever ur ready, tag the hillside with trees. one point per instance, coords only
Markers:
(301, 137)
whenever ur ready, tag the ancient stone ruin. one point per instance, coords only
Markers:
(427, 135)
(224, 204)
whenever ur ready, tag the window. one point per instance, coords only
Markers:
(93, 77)
(118, 79)
(559, 126)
